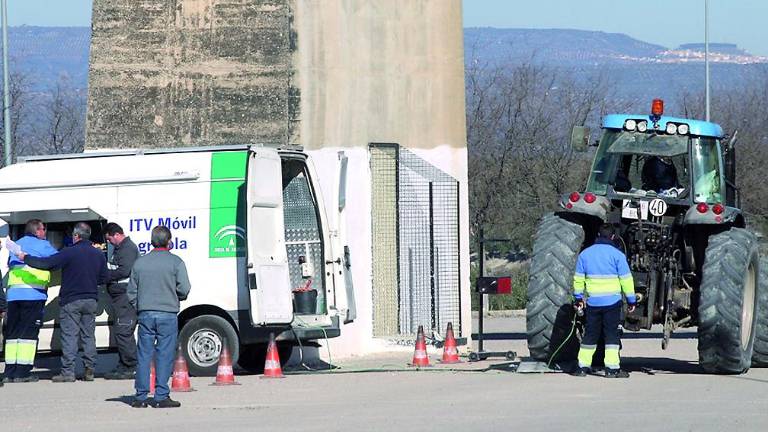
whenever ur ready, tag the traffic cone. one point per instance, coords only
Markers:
(180, 381)
(152, 376)
(272, 367)
(224, 373)
(450, 352)
(420, 358)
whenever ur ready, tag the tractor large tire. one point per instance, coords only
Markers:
(549, 314)
(760, 353)
(728, 303)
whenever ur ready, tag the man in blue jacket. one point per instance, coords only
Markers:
(602, 273)
(27, 294)
(83, 269)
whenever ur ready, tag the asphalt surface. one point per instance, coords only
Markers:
(675, 397)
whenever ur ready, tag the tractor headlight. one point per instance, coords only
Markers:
(630, 125)
(671, 128)
(642, 126)
(683, 129)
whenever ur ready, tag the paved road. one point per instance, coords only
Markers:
(677, 398)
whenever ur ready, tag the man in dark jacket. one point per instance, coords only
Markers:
(83, 269)
(157, 284)
(124, 316)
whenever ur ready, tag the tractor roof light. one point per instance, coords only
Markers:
(657, 108)
(589, 197)
(683, 129)
(671, 128)
(702, 208)
(642, 126)
(718, 209)
(574, 196)
(630, 125)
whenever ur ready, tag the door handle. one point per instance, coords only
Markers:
(336, 261)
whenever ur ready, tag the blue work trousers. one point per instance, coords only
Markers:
(157, 337)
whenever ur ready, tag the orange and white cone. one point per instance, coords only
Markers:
(225, 375)
(450, 351)
(420, 358)
(180, 381)
(272, 367)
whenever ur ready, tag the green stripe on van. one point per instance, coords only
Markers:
(227, 209)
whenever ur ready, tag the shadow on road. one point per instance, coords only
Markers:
(660, 365)
(626, 335)
(122, 399)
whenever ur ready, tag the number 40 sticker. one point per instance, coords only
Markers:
(657, 207)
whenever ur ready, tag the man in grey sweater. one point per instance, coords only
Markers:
(157, 284)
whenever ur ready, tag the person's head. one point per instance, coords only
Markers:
(161, 237)
(36, 228)
(82, 231)
(114, 233)
(607, 231)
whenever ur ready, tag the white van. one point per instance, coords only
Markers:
(248, 221)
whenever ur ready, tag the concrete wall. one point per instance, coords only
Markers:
(330, 75)
(169, 73)
(382, 71)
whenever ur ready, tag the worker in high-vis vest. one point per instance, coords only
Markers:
(26, 296)
(603, 275)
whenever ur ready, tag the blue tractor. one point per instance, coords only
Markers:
(669, 185)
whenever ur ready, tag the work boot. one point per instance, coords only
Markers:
(89, 374)
(63, 378)
(27, 379)
(139, 403)
(167, 403)
(581, 372)
(616, 373)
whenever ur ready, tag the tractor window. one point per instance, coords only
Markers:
(707, 170)
(634, 162)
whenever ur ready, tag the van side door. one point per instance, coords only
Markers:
(268, 273)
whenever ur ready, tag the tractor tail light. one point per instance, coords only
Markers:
(589, 198)
(718, 209)
(574, 196)
(702, 207)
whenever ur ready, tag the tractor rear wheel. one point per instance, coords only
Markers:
(549, 314)
(728, 302)
(760, 354)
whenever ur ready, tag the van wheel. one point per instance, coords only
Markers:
(252, 356)
(201, 340)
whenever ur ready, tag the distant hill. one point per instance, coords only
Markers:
(639, 70)
(45, 54)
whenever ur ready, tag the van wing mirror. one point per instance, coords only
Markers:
(580, 138)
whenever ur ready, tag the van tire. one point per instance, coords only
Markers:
(200, 340)
(252, 357)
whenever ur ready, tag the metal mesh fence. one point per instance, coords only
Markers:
(302, 236)
(416, 243)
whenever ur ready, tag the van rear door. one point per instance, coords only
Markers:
(268, 275)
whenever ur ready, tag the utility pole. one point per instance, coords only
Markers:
(706, 59)
(6, 90)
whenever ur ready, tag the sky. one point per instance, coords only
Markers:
(663, 22)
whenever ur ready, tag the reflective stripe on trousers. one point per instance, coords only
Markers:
(20, 351)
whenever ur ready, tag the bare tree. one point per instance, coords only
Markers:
(61, 127)
(519, 120)
(21, 101)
